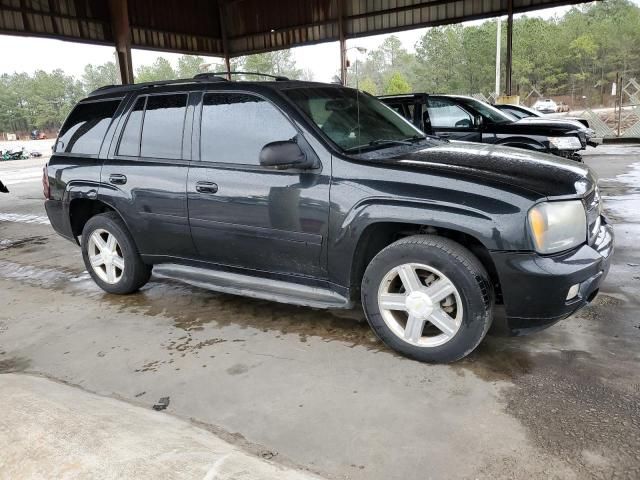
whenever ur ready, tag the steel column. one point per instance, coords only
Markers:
(343, 44)
(509, 48)
(122, 37)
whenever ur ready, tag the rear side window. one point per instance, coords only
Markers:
(163, 125)
(130, 141)
(235, 127)
(86, 126)
(444, 113)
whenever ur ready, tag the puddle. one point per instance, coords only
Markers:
(621, 195)
(19, 218)
(14, 365)
(23, 242)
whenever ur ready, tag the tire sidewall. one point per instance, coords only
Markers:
(127, 247)
(476, 303)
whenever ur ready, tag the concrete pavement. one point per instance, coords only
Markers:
(316, 388)
(51, 430)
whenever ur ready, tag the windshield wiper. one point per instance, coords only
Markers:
(383, 141)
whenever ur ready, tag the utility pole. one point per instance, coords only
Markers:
(498, 42)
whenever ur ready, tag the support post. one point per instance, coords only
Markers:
(498, 41)
(509, 48)
(225, 40)
(122, 36)
(343, 45)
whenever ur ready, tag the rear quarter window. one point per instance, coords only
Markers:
(85, 127)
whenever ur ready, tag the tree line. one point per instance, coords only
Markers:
(42, 100)
(577, 54)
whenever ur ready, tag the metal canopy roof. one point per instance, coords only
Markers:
(240, 27)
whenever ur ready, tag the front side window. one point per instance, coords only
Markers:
(235, 127)
(85, 127)
(163, 125)
(444, 113)
(352, 120)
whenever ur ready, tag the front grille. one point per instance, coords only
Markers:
(592, 203)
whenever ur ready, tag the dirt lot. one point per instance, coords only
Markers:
(316, 388)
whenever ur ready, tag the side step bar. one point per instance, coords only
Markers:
(249, 286)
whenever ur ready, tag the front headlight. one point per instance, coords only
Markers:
(557, 226)
(566, 143)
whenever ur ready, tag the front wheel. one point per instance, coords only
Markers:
(111, 256)
(428, 298)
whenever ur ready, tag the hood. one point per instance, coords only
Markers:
(538, 126)
(570, 124)
(543, 174)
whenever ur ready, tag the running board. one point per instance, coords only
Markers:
(249, 286)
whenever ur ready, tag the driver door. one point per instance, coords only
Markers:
(246, 215)
(450, 120)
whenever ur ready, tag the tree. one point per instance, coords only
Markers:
(397, 83)
(368, 85)
(96, 76)
(161, 69)
(280, 62)
(189, 65)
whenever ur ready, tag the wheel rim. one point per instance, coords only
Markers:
(420, 305)
(105, 256)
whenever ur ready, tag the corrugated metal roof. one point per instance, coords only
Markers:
(250, 26)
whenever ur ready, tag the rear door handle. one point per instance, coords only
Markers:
(206, 187)
(117, 179)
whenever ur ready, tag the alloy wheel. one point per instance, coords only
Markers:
(105, 256)
(420, 305)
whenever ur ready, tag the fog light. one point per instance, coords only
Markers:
(573, 291)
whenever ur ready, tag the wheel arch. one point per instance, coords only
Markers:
(380, 234)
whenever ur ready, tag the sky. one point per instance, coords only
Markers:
(27, 54)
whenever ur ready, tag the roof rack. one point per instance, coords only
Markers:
(206, 77)
(277, 78)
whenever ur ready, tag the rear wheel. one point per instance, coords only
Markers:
(429, 298)
(111, 256)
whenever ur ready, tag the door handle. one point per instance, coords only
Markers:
(206, 187)
(443, 135)
(117, 179)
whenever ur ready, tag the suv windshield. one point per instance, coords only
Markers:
(487, 111)
(353, 120)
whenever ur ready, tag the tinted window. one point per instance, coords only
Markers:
(163, 126)
(130, 141)
(444, 113)
(235, 127)
(352, 120)
(85, 128)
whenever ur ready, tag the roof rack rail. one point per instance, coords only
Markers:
(212, 77)
(137, 86)
(277, 78)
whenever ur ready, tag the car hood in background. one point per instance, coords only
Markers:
(570, 124)
(541, 127)
(543, 174)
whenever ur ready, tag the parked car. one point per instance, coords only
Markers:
(546, 105)
(464, 118)
(320, 195)
(520, 111)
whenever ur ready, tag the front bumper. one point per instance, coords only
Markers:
(535, 287)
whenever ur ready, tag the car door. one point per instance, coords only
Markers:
(245, 215)
(145, 176)
(450, 120)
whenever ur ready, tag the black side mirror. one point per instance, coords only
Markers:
(284, 154)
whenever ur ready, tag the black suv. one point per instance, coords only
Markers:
(320, 195)
(464, 118)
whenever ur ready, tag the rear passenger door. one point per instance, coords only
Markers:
(450, 120)
(249, 216)
(145, 176)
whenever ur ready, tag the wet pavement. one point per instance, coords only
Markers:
(317, 389)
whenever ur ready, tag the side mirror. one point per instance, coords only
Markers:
(284, 154)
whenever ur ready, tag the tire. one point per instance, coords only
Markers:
(408, 326)
(133, 272)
